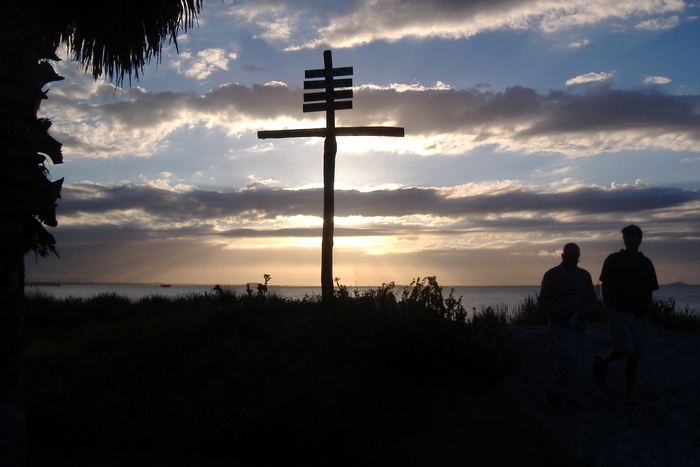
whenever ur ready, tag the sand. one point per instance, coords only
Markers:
(662, 430)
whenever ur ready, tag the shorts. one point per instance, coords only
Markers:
(628, 333)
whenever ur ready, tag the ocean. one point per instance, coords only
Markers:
(472, 296)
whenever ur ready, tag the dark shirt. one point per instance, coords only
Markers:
(630, 278)
(564, 293)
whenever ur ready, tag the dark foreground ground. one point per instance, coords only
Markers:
(239, 384)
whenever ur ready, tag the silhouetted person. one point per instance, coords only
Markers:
(567, 296)
(628, 280)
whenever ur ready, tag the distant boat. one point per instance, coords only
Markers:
(165, 285)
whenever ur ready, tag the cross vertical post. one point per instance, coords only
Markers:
(329, 103)
(330, 148)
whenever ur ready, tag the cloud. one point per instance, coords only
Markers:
(155, 226)
(438, 119)
(659, 24)
(203, 64)
(366, 21)
(656, 80)
(578, 44)
(276, 21)
(589, 78)
(475, 203)
(400, 87)
(276, 83)
(520, 119)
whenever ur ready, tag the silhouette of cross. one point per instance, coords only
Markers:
(329, 100)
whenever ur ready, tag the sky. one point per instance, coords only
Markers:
(528, 124)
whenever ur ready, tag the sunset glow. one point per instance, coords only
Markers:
(528, 125)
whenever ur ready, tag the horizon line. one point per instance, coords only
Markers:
(159, 284)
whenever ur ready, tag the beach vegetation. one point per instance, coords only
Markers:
(217, 379)
(667, 314)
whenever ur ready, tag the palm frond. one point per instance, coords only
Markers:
(117, 38)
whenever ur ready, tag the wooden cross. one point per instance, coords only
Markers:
(329, 100)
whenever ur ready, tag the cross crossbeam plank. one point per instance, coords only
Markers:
(321, 83)
(342, 131)
(324, 96)
(326, 106)
(325, 72)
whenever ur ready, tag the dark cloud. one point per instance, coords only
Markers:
(475, 112)
(516, 118)
(159, 230)
(99, 254)
(268, 203)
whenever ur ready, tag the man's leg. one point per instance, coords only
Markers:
(574, 362)
(561, 380)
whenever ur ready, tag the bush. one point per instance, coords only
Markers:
(529, 312)
(665, 314)
(171, 379)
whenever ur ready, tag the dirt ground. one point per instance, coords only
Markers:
(663, 429)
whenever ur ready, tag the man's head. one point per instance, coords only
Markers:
(570, 256)
(632, 237)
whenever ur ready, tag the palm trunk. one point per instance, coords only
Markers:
(13, 433)
(27, 200)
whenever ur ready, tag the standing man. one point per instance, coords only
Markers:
(628, 281)
(567, 296)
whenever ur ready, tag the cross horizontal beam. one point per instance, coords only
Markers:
(325, 72)
(342, 131)
(324, 96)
(321, 83)
(326, 106)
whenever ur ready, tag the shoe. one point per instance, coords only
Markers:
(553, 399)
(574, 403)
(599, 372)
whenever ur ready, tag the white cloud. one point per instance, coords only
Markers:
(448, 19)
(589, 78)
(276, 22)
(656, 80)
(279, 29)
(659, 24)
(402, 87)
(203, 64)
(578, 44)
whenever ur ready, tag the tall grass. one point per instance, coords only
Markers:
(668, 315)
(664, 313)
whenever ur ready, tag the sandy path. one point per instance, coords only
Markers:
(663, 430)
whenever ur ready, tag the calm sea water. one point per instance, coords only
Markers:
(472, 297)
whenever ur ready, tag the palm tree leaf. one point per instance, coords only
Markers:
(119, 37)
